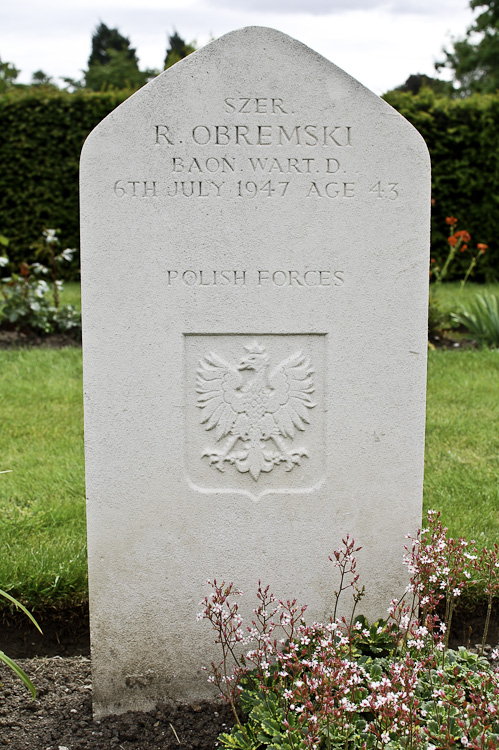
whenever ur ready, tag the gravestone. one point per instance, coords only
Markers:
(255, 235)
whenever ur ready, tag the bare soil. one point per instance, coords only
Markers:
(22, 340)
(61, 716)
(452, 338)
(445, 339)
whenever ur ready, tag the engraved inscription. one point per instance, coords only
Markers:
(296, 183)
(262, 277)
(139, 680)
(385, 190)
(288, 158)
(255, 104)
(255, 410)
(265, 135)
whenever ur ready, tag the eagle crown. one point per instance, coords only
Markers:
(257, 358)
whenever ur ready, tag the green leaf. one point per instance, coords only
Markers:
(19, 672)
(21, 606)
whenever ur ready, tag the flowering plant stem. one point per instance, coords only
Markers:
(458, 241)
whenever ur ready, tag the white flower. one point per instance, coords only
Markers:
(41, 288)
(50, 235)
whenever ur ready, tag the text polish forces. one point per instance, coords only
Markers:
(262, 277)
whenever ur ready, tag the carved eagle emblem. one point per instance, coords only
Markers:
(253, 410)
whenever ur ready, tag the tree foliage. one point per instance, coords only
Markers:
(120, 72)
(417, 81)
(177, 50)
(8, 75)
(474, 60)
(105, 41)
(40, 78)
(113, 64)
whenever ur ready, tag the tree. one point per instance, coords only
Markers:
(417, 81)
(119, 73)
(177, 50)
(8, 75)
(474, 60)
(39, 78)
(106, 40)
(113, 63)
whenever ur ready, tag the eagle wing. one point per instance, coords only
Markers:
(217, 386)
(289, 400)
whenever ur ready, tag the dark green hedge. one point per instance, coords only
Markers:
(462, 137)
(41, 135)
(42, 132)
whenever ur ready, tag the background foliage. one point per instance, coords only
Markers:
(474, 59)
(461, 137)
(40, 142)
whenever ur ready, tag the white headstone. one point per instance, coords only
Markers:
(255, 236)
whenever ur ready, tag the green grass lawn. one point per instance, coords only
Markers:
(462, 442)
(451, 296)
(71, 294)
(42, 508)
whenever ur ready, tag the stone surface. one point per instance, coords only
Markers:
(255, 235)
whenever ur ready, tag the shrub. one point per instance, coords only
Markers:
(40, 142)
(461, 138)
(28, 303)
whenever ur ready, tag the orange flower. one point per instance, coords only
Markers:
(451, 221)
(464, 235)
(482, 247)
(464, 247)
(452, 240)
